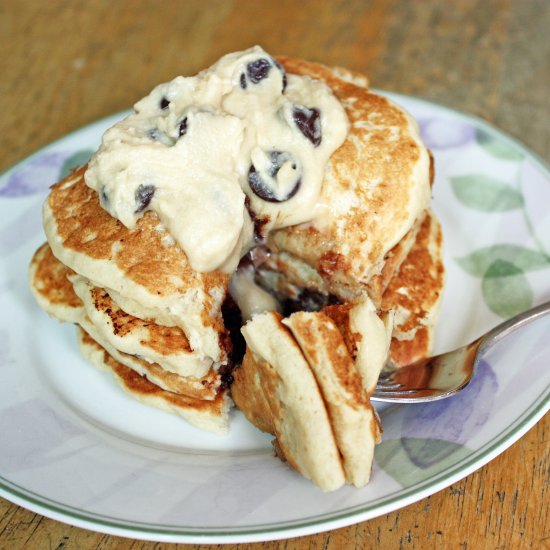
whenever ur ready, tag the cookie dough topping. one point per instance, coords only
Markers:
(196, 147)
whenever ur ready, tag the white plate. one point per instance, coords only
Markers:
(76, 449)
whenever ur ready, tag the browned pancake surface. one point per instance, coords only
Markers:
(376, 164)
(145, 255)
(57, 296)
(49, 279)
(416, 290)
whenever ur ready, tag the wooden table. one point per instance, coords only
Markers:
(65, 64)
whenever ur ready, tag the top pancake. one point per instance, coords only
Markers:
(143, 264)
(376, 185)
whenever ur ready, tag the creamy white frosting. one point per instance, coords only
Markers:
(196, 147)
(250, 297)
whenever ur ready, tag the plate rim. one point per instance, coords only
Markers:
(463, 468)
(315, 524)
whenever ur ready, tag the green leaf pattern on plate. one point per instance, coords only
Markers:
(525, 259)
(497, 147)
(506, 289)
(501, 267)
(486, 194)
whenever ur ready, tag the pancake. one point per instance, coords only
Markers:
(49, 283)
(277, 391)
(53, 291)
(376, 187)
(166, 346)
(291, 278)
(353, 420)
(212, 416)
(414, 295)
(206, 388)
(300, 381)
(143, 264)
(358, 276)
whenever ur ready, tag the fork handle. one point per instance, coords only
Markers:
(511, 325)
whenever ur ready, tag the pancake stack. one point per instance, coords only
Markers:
(322, 305)
(171, 329)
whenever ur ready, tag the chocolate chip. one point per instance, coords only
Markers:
(264, 185)
(164, 103)
(182, 128)
(283, 72)
(232, 320)
(308, 122)
(143, 196)
(262, 190)
(308, 300)
(154, 134)
(278, 158)
(103, 197)
(258, 70)
(242, 81)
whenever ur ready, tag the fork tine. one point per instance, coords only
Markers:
(394, 392)
(388, 385)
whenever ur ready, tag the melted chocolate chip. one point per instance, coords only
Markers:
(308, 122)
(242, 81)
(309, 300)
(226, 375)
(182, 128)
(233, 321)
(143, 196)
(263, 186)
(258, 70)
(283, 72)
(154, 134)
(259, 224)
(164, 103)
(103, 197)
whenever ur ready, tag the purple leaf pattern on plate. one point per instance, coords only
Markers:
(456, 419)
(36, 175)
(434, 435)
(439, 133)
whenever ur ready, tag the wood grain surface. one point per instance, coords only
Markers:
(68, 63)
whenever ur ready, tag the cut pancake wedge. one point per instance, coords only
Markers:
(354, 422)
(277, 391)
(300, 382)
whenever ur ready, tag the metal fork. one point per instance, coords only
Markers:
(445, 375)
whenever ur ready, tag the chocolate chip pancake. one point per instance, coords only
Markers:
(278, 196)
